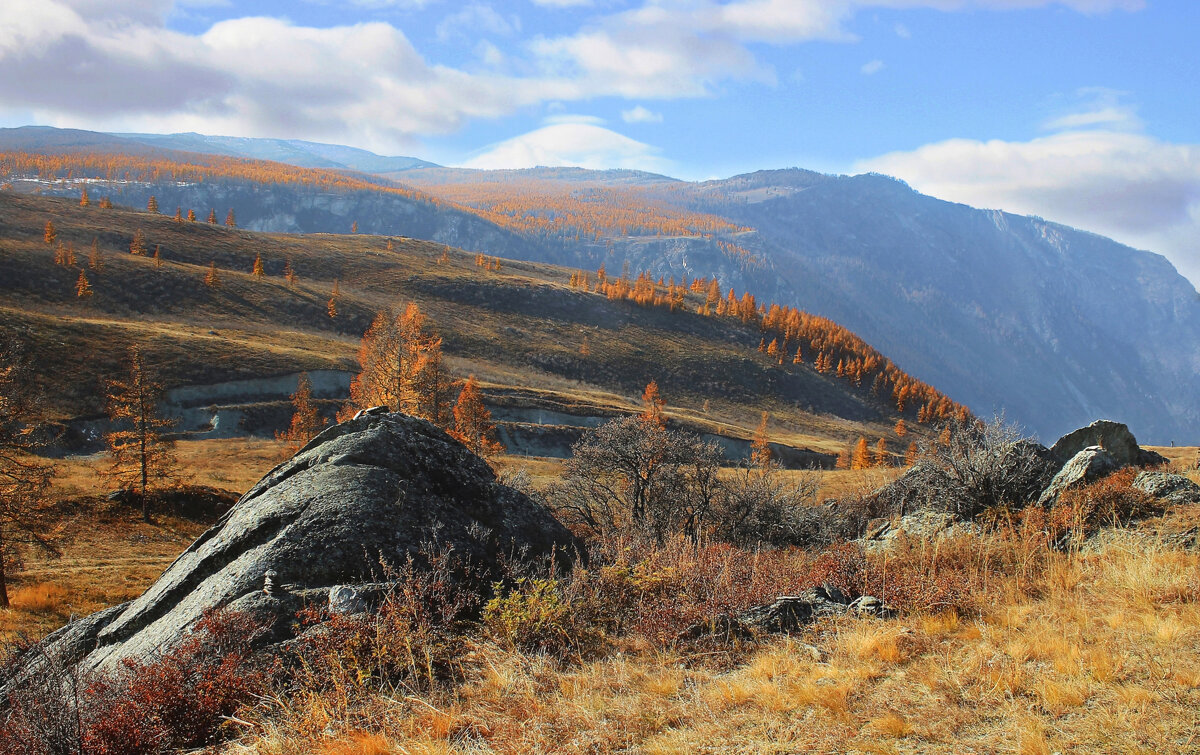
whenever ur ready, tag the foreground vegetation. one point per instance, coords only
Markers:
(1004, 640)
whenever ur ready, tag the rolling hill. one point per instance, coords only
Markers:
(552, 355)
(1052, 325)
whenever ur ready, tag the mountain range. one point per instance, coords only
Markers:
(1052, 325)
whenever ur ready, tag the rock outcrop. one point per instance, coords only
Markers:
(1089, 465)
(1170, 488)
(1113, 437)
(365, 494)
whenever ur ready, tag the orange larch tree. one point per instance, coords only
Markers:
(141, 453)
(861, 457)
(401, 368)
(473, 425)
(306, 420)
(882, 457)
(138, 244)
(760, 448)
(83, 289)
(652, 405)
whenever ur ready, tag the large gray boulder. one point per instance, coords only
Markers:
(1169, 488)
(1113, 437)
(1089, 465)
(364, 494)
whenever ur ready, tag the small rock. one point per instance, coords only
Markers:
(345, 601)
(877, 528)
(869, 605)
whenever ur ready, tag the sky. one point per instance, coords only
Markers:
(1079, 111)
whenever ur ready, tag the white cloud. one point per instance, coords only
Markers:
(1098, 107)
(476, 18)
(115, 65)
(591, 120)
(903, 32)
(562, 3)
(872, 67)
(1136, 189)
(581, 145)
(640, 114)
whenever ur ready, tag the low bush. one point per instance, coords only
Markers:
(180, 700)
(1080, 512)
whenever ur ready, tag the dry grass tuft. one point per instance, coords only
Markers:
(43, 597)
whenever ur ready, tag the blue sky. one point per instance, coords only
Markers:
(1082, 111)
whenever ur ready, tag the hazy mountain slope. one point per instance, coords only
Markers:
(297, 152)
(1056, 325)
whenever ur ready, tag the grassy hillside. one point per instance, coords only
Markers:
(519, 326)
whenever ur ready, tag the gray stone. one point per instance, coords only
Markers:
(787, 614)
(1113, 437)
(1089, 465)
(1172, 488)
(345, 600)
(362, 496)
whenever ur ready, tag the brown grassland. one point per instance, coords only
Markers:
(1096, 649)
(520, 326)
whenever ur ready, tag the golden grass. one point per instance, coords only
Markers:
(1100, 656)
(108, 554)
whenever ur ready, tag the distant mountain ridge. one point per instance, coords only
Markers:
(1054, 325)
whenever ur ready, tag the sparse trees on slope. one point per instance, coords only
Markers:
(141, 454)
(230, 221)
(51, 233)
(306, 420)
(24, 481)
(84, 200)
(473, 425)
(152, 204)
(138, 244)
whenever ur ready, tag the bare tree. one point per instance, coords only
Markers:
(141, 453)
(978, 466)
(24, 481)
(634, 474)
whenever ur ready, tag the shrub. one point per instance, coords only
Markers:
(534, 615)
(409, 640)
(180, 700)
(978, 466)
(1080, 512)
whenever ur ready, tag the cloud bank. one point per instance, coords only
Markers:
(1132, 187)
